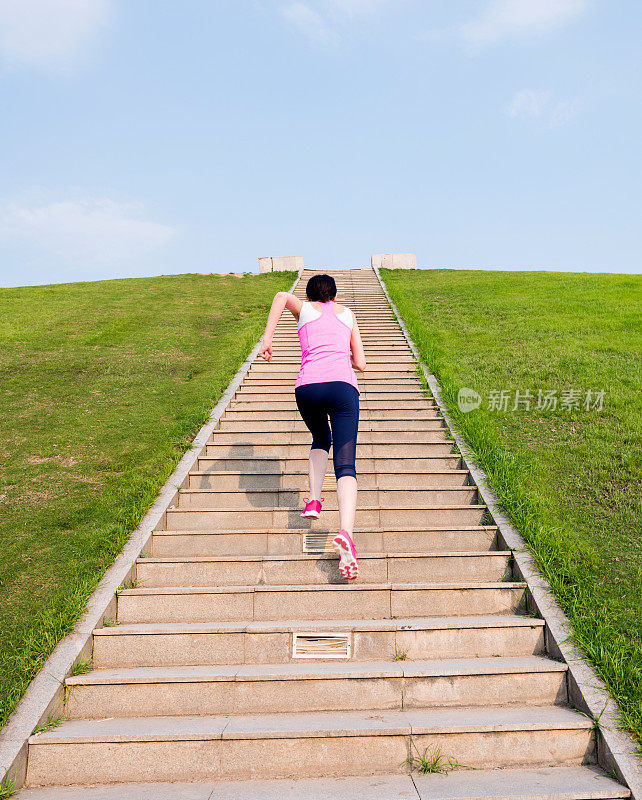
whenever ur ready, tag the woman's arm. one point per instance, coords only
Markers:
(357, 356)
(282, 300)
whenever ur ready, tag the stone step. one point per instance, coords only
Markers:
(292, 348)
(373, 340)
(287, 428)
(369, 315)
(391, 372)
(366, 397)
(377, 339)
(250, 499)
(373, 344)
(545, 783)
(393, 352)
(366, 317)
(368, 479)
(379, 336)
(365, 415)
(365, 385)
(488, 565)
(279, 395)
(192, 644)
(369, 319)
(270, 465)
(365, 405)
(404, 368)
(286, 541)
(368, 322)
(285, 373)
(403, 380)
(366, 517)
(365, 379)
(333, 601)
(561, 783)
(291, 354)
(372, 371)
(303, 437)
(365, 449)
(306, 745)
(290, 361)
(370, 399)
(331, 686)
(281, 386)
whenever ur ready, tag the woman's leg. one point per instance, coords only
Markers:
(347, 501)
(318, 466)
(312, 410)
(344, 419)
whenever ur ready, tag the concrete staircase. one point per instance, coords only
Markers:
(242, 661)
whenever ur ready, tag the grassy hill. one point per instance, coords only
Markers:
(571, 477)
(103, 386)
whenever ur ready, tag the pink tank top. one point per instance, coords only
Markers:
(325, 350)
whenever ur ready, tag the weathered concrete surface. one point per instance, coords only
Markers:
(280, 263)
(394, 261)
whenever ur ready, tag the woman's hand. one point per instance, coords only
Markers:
(357, 356)
(266, 350)
(281, 301)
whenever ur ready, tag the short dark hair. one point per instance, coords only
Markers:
(321, 288)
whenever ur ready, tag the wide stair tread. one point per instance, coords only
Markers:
(471, 719)
(399, 623)
(560, 783)
(309, 685)
(306, 745)
(320, 671)
(329, 587)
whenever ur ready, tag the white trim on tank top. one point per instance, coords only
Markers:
(309, 313)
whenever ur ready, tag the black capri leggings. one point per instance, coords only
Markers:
(339, 401)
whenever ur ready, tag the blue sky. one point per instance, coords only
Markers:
(150, 137)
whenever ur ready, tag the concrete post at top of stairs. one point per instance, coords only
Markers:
(394, 261)
(280, 263)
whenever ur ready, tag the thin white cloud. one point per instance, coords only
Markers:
(325, 21)
(311, 23)
(91, 233)
(355, 7)
(564, 112)
(507, 19)
(528, 104)
(49, 33)
(538, 104)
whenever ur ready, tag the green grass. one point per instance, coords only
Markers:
(50, 724)
(430, 761)
(7, 788)
(82, 667)
(570, 480)
(400, 654)
(103, 386)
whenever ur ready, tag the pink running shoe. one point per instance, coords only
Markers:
(348, 566)
(312, 508)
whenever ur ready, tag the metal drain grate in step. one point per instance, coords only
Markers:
(320, 645)
(318, 543)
